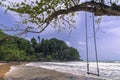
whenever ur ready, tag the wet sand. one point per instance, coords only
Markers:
(5, 67)
(21, 72)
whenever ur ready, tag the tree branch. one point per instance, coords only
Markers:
(97, 8)
(94, 7)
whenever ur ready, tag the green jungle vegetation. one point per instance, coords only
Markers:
(13, 48)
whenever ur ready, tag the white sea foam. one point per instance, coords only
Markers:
(2, 63)
(110, 71)
(11, 71)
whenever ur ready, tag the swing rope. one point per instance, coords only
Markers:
(96, 53)
(95, 45)
(86, 30)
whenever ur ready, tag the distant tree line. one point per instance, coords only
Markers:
(13, 48)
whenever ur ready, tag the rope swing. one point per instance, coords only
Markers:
(95, 45)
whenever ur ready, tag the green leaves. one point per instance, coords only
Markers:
(98, 20)
(15, 48)
(42, 13)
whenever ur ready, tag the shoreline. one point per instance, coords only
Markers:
(6, 66)
(19, 72)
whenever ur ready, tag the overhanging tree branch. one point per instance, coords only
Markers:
(94, 7)
(97, 8)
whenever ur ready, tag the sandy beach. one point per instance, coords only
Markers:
(12, 71)
(5, 67)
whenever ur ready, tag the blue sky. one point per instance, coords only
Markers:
(108, 35)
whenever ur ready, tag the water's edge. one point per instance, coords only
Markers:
(28, 72)
(108, 70)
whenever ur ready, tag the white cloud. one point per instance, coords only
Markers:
(15, 15)
(29, 39)
(114, 31)
(81, 48)
(68, 43)
(110, 25)
(17, 1)
(109, 21)
(81, 43)
(48, 31)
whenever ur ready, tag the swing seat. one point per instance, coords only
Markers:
(89, 73)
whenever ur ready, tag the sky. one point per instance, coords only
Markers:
(107, 35)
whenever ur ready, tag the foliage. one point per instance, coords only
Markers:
(58, 13)
(49, 58)
(19, 49)
(40, 13)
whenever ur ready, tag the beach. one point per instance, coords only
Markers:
(3, 69)
(6, 66)
(10, 71)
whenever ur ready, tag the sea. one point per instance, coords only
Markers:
(107, 70)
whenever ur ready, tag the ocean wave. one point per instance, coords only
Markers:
(110, 71)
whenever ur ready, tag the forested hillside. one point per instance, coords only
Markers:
(13, 48)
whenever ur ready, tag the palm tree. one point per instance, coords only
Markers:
(39, 39)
